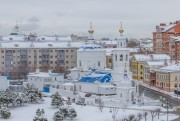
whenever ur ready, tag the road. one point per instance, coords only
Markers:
(155, 95)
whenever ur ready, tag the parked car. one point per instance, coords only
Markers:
(80, 103)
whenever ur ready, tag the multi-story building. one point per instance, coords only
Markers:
(27, 56)
(168, 78)
(150, 68)
(162, 34)
(138, 61)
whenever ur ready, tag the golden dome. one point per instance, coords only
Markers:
(121, 30)
(91, 31)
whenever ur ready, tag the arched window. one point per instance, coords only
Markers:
(121, 58)
(116, 57)
(126, 57)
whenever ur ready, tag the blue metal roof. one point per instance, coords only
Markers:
(97, 77)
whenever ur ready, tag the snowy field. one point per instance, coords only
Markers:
(85, 113)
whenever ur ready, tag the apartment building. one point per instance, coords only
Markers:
(27, 56)
(168, 78)
(162, 34)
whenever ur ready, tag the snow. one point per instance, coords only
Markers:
(55, 44)
(143, 57)
(44, 74)
(85, 113)
(175, 67)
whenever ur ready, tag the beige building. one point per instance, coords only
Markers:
(168, 78)
(27, 56)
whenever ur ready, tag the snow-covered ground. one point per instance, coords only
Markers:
(85, 113)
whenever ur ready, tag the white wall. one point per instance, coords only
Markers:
(119, 65)
(4, 83)
(90, 59)
(121, 42)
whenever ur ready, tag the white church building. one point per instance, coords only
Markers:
(92, 77)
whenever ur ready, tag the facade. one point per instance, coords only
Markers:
(43, 80)
(174, 44)
(91, 57)
(26, 57)
(138, 61)
(150, 68)
(168, 77)
(162, 34)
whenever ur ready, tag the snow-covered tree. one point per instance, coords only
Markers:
(5, 113)
(72, 113)
(39, 115)
(33, 94)
(145, 115)
(58, 116)
(57, 100)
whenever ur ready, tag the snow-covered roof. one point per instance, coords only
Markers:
(55, 44)
(44, 74)
(174, 67)
(144, 57)
(109, 51)
(155, 63)
(13, 38)
(53, 38)
(167, 27)
(175, 38)
(107, 42)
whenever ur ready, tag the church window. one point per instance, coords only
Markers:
(80, 63)
(99, 64)
(126, 57)
(121, 57)
(116, 57)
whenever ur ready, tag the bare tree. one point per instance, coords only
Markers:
(145, 115)
(153, 114)
(158, 111)
(100, 104)
(139, 116)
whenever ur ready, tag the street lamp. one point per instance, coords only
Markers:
(114, 111)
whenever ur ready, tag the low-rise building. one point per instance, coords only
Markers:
(138, 61)
(43, 80)
(168, 78)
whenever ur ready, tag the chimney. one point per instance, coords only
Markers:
(162, 24)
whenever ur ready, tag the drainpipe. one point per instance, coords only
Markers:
(169, 81)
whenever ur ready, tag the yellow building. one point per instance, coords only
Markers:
(137, 63)
(168, 78)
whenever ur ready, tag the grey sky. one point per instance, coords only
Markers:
(65, 17)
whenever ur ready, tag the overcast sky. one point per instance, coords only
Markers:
(66, 17)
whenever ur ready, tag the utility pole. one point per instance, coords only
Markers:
(167, 101)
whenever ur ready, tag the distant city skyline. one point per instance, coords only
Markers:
(65, 17)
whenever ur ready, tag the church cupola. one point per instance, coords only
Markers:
(121, 30)
(91, 31)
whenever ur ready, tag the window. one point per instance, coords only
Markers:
(2, 51)
(116, 57)
(126, 57)
(99, 64)
(29, 62)
(66, 50)
(80, 63)
(39, 62)
(121, 57)
(67, 62)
